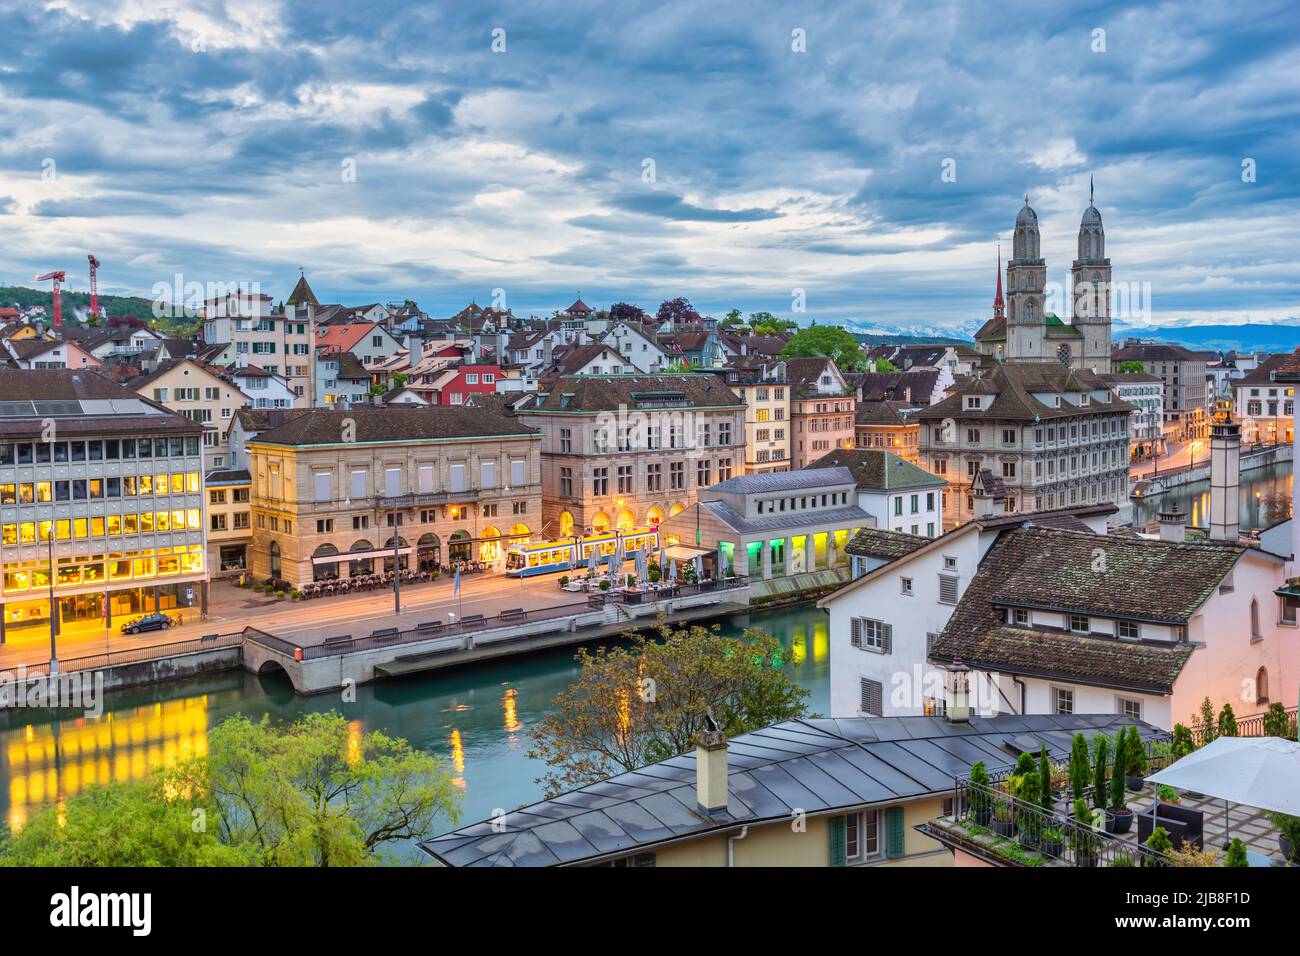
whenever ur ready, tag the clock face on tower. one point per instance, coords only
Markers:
(1063, 353)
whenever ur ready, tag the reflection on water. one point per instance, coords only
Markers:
(474, 717)
(1263, 493)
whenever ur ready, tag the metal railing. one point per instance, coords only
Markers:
(1249, 726)
(134, 655)
(992, 817)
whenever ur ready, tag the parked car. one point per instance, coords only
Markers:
(149, 622)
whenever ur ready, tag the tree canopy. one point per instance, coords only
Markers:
(313, 793)
(626, 312)
(678, 311)
(825, 340)
(645, 701)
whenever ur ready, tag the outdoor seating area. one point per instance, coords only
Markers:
(1010, 815)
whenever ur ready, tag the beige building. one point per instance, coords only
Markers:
(628, 451)
(280, 342)
(821, 409)
(200, 395)
(230, 524)
(333, 492)
(761, 385)
(1182, 375)
(889, 425)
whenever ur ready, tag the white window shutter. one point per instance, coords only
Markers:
(887, 639)
(857, 631)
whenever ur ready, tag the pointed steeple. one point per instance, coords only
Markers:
(1090, 192)
(302, 294)
(997, 299)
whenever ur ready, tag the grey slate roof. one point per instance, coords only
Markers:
(876, 469)
(800, 480)
(737, 522)
(816, 765)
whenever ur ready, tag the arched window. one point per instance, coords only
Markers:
(1261, 686)
(1255, 634)
(275, 559)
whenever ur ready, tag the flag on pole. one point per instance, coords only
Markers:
(455, 585)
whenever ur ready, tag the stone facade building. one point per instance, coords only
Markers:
(334, 491)
(628, 451)
(1056, 437)
(761, 384)
(822, 407)
(1182, 373)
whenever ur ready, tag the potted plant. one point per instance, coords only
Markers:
(1136, 771)
(295, 594)
(604, 584)
(1029, 816)
(1004, 815)
(1288, 835)
(1051, 842)
(1119, 818)
(1122, 859)
(1158, 842)
(564, 581)
(978, 796)
(1078, 766)
(1044, 781)
(655, 576)
(1099, 794)
(1166, 794)
(1083, 840)
(1236, 855)
(1184, 742)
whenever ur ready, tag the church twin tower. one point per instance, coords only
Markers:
(1027, 332)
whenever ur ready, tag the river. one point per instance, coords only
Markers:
(476, 717)
(1262, 491)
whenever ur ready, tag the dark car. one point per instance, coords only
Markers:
(149, 622)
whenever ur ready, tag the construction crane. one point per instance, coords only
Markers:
(57, 278)
(94, 289)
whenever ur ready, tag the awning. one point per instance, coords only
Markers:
(358, 555)
(685, 552)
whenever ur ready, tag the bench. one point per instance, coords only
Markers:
(431, 626)
(208, 638)
(385, 632)
(1184, 826)
(471, 619)
(511, 614)
(337, 641)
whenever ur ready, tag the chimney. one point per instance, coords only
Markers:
(711, 768)
(1225, 481)
(957, 709)
(1173, 525)
(985, 499)
(547, 347)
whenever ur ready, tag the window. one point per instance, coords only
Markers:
(654, 477)
(872, 697)
(488, 474)
(322, 481)
(392, 482)
(861, 836)
(358, 483)
(1129, 707)
(1020, 616)
(1128, 629)
(1063, 700)
(566, 441)
(566, 482)
(324, 525)
(458, 476)
(424, 475)
(1261, 686)
(624, 479)
(1255, 634)
(1080, 624)
(906, 586)
(947, 589)
(871, 635)
(600, 482)
(518, 472)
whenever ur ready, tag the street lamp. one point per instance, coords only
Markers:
(54, 607)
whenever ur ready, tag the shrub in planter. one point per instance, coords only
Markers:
(630, 581)
(604, 584)
(279, 594)
(1207, 728)
(655, 576)
(1051, 842)
(295, 594)
(1136, 770)
(1119, 818)
(1099, 796)
(1276, 722)
(1078, 766)
(1004, 816)
(1122, 859)
(1029, 816)
(1083, 841)
(1166, 793)
(1288, 834)
(977, 794)
(564, 580)
(1158, 842)
(1236, 855)
(1044, 781)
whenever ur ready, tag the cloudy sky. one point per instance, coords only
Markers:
(731, 153)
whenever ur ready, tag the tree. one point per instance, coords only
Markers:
(1099, 772)
(1117, 774)
(765, 323)
(883, 365)
(1277, 723)
(626, 312)
(1130, 366)
(1236, 855)
(1227, 725)
(732, 320)
(678, 311)
(646, 701)
(1044, 780)
(1206, 725)
(309, 794)
(1078, 766)
(825, 340)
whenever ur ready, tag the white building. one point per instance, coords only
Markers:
(898, 494)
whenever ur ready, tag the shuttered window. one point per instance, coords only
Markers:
(458, 476)
(872, 697)
(425, 473)
(872, 635)
(358, 486)
(518, 468)
(392, 482)
(489, 474)
(947, 589)
(321, 480)
(894, 836)
(837, 841)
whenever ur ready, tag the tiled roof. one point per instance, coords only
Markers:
(1263, 373)
(302, 294)
(1013, 386)
(814, 765)
(813, 518)
(1153, 352)
(343, 336)
(914, 386)
(876, 469)
(609, 392)
(395, 423)
(883, 543)
(882, 413)
(1289, 370)
(1073, 572)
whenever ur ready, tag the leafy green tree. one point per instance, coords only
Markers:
(883, 365)
(1117, 774)
(1206, 725)
(1227, 724)
(1236, 855)
(646, 700)
(1137, 753)
(732, 320)
(1184, 742)
(825, 340)
(1277, 723)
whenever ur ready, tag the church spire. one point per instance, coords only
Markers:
(997, 299)
(1090, 191)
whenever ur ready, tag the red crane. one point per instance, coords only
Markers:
(94, 289)
(57, 278)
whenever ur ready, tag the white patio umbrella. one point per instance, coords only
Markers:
(699, 569)
(1259, 772)
(672, 571)
(591, 562)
